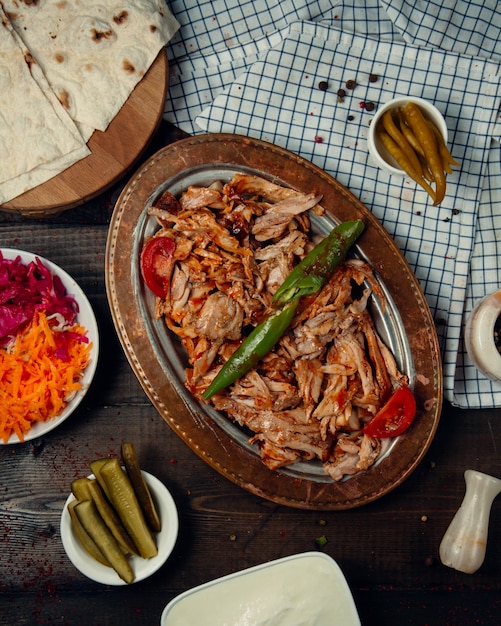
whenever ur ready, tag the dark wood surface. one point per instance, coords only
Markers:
(388, 550)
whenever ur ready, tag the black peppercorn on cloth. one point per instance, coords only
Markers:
(274, 70)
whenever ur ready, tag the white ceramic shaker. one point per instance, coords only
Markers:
(464, 544)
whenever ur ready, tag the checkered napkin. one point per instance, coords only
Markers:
(218, 40)
(260, 78)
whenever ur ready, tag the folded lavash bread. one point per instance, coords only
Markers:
(38, 139)
(93, 53)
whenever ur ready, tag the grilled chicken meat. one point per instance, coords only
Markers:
(309, 398)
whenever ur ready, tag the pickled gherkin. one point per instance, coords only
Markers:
(140, 487)
(113, 514)
(111, 518)
(126, 504)
(88, 544)
(93, 523)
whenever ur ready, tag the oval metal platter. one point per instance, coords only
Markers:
(158, 361)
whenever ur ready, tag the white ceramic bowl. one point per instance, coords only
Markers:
(377, 150)
(479, 335)
(166, 540)
(306, 588)
(85, 318)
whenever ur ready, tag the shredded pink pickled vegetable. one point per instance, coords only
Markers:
(27, 288)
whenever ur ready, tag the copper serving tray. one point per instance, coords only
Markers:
(158, 361)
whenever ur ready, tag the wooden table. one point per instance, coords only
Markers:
(388, 550)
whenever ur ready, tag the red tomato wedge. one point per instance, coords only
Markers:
(395, 416)
(157, 262)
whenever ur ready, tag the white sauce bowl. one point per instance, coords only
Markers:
(307, 588)
(479, 336)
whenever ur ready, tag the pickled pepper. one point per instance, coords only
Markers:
(428, 141)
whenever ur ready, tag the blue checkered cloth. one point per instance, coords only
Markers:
(253, 68)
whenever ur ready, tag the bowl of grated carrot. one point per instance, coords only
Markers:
(49, 345)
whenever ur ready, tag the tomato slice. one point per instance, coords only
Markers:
(395, 416)
(157, 262)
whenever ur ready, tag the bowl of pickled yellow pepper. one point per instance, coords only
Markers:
(408, 137)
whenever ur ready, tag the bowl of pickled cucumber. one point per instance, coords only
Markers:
(119, 524)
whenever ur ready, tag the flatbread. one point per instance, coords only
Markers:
(38, 139)
(93, 53)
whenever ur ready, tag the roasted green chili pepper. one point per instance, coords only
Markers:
(257, 345)
(317, 267)
(305, 279)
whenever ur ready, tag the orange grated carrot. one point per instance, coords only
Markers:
(36, 383)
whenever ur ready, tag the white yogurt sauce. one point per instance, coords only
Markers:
(305, 590)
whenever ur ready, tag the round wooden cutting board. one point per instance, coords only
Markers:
(113, 151)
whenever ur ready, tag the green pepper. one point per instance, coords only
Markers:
(305, 279)
(317, 267)
(257, 345)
